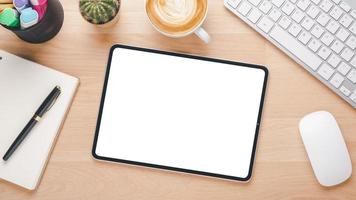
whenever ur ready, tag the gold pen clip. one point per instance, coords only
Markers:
(37, 118)
(54, 101)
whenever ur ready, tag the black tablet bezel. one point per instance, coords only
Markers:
(102, 102)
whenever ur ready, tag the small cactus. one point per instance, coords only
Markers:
(99, 11)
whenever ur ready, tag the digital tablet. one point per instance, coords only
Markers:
(180, 112)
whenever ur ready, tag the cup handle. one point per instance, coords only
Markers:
(203, 35)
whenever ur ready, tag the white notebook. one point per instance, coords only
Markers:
(23, 87)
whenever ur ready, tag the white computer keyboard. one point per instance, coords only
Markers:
(318, 34)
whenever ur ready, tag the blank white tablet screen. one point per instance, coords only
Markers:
(180, 112)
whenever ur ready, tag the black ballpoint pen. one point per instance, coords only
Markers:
(45, 106)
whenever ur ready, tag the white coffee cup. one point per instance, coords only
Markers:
(198, 29)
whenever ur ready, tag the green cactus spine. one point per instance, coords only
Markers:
(99, 11)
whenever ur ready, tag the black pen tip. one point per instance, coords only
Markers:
(6, 157)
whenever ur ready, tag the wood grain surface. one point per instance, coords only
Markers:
(282, 169)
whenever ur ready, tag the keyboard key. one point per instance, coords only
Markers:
(297, 49)
(234, 3)
(326, 5)
(285, 22)
(254, 16)
(288, 8)
(278, 3)
(342, 34)
(336, 1)
(298, 15)
(324, 52)
(244, 8)
(294, 29)
(333, 26)
(313, 11)
(347, 54)
(327, 39)
(353, 62)
(345, 6)
(255, 2)
(334, 60)
(275, 15)
(337, 46)
(343, 68)
(307, 23)
(336, 13)
(316, 1)
(337, 80)
(265, 7)
(325, 71)
(352, 76)
(353, 28)
(353, 97)
(353, 13)
(323, 19)
(317, 31)
(304, 37)
(303, 4)
(345, 91)
(346, 20)
(265, 24)
(314, 45)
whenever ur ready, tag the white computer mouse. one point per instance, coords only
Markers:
(326, 148)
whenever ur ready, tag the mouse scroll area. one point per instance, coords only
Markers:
(326, 148)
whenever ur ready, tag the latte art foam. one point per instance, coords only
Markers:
(176, 17)
(175, 11)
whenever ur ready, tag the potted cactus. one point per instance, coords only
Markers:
(100, 12)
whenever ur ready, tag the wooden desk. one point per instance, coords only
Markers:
(282, 169)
